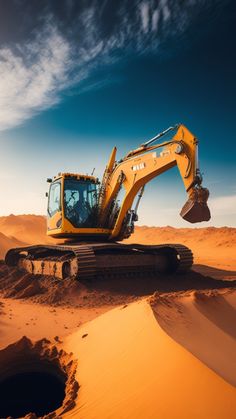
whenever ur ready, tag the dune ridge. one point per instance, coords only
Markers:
(203, 322)
(22, 230)
(137, 370)
(7, 243)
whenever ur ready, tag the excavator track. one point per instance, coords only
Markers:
(90, 260)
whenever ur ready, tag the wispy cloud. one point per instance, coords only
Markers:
(151, 14)
(144, 10)
(34, 73)
(32, 76)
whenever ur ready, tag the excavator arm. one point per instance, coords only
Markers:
(145, 163)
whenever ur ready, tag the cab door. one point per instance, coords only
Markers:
(54, 219)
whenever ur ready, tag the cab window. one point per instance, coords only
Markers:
(80, 203)
(54, 204)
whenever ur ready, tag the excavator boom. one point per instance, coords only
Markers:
(149, 161)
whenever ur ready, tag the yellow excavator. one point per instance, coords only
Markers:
(94, 217)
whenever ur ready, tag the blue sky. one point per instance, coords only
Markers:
(78, 79)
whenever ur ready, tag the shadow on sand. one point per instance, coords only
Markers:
(214, 272)
(146, 285)
(204, 324)
(219, 311)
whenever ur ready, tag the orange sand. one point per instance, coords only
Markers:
(7, 243)
(204, 324)
(130, 368)
(18, 318)
(168, 356)
(20, 230)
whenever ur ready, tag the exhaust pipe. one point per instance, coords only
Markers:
(196, 210)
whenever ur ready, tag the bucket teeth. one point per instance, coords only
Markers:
(196, 209)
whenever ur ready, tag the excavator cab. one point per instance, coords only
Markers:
(72, 204)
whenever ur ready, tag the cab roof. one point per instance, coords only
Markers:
(76, 176)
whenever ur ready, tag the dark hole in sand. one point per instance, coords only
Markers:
(39, 392)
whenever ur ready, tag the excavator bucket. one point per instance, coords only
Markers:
(196, 209)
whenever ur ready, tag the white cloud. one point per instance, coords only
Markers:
(155, 20)
(149, 14)
(165, 9)
(223, 205)
(144, 10)
(28, 86)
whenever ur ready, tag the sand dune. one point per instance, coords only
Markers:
(204, 324)
(21, 230)
(137, 370)
(216, 236)
(29, 229)
(7, 243)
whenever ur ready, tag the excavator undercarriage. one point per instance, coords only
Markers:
(91, 260)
